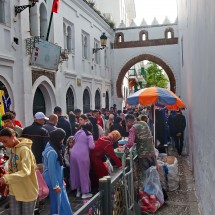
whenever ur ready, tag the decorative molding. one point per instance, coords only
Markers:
(86, 79)
(70, 75)
(7, 59)
(98, 81)
(38, 73)
(107, 83)
(145, 43)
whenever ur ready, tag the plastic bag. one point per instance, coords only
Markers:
(173, 177)
(163, 173)
(109, 166)
(152, 185)
(169, 175)
(43, 188)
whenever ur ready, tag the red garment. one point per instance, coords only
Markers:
(17, 122)
(100, 121)
(103, 146)
(3, 188)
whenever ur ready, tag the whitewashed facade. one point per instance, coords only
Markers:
(76, 28)
(167, 53)
(197, 53)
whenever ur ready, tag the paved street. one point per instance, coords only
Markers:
(180, 202)
(183, 201)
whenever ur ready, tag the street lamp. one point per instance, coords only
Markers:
(19, 9)
(103, 40)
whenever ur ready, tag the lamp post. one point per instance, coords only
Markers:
(103, 40)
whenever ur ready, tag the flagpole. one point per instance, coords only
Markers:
(50, 23)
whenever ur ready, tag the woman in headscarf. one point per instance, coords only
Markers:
(97, 129)
(117, 125)
(80, 161)
(73, 122)
(103, 146)
(53, 173)
(124, 128)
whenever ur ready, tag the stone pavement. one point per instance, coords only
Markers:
(180, 202)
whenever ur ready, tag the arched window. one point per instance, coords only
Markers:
(69, 100)
(105, 58)
(86, 101)
(169, 33)
(39, 104)
(143, 35)
(33, 20)
(65, 36)
(107, 100)
(119, 37)
(85, 44)
(69, 38)
(97, 100)
(43, 21)
(2, 11)
(97, 54)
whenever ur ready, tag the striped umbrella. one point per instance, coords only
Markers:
(152, 95)
(156, 95)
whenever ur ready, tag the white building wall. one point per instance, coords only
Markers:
(196, 24)
(16, 73)
(168, 53)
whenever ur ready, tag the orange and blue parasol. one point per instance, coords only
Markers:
(156, 96)
(152, 95)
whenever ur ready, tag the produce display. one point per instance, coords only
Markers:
(148, 203)
(120, 149)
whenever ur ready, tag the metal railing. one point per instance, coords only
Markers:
(92, 207)
(116, 195)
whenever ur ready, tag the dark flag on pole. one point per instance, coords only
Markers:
(55, 6)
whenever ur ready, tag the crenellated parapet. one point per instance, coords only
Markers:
(146, 35)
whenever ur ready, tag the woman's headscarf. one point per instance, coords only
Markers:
(115, 135)
(88, 128)
(117, 120)
(95, 130)
(56, 141)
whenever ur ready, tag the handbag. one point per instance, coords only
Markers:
(43, 188)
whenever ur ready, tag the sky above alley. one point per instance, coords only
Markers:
(148, 9)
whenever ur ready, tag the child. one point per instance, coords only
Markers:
(69, 145)
(22, 181)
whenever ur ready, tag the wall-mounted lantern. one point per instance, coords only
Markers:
(103, 40)
(19, 9)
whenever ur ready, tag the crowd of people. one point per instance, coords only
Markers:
(73, 148)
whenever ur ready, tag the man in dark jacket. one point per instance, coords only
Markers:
(63, 123)
(38, 135)
(51, 124)
(179, 127)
